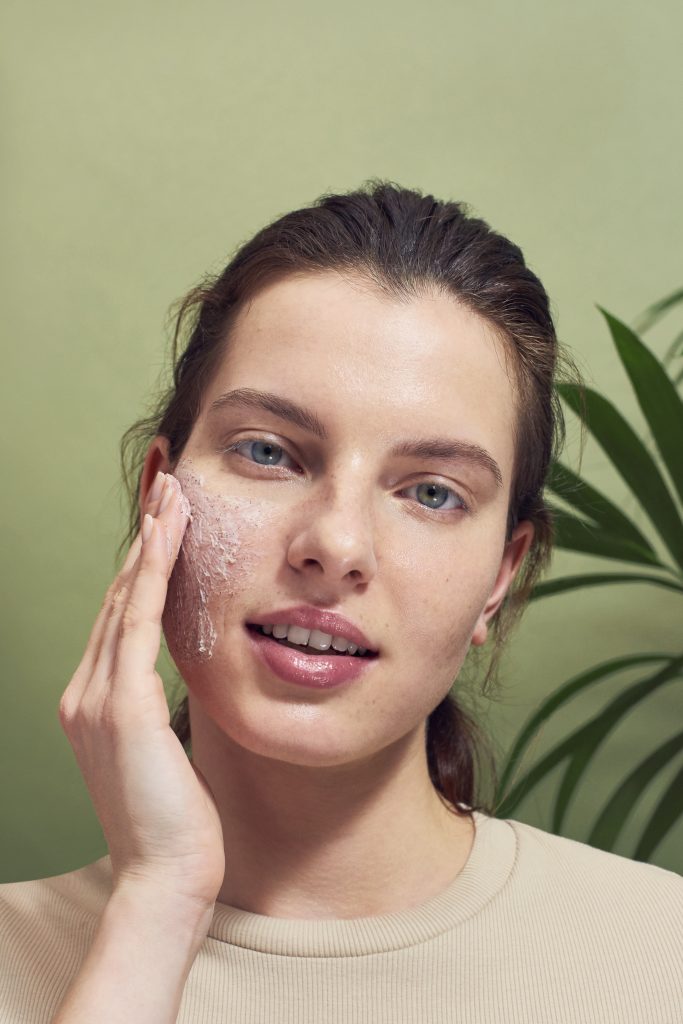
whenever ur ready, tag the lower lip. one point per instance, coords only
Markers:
(319, 671)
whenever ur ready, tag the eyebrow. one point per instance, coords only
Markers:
(420, 448)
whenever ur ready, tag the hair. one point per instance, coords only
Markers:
(405, 244)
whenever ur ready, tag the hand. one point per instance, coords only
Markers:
(157, 812)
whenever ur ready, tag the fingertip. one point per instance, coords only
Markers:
(147, 528)
(132, 555)
(157, 487)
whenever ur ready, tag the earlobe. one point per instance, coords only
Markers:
(513, 556)
(480, 633)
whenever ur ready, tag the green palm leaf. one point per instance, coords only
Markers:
(674, 349)
(598, 527)
(664, 816)
(657, 397)
(580, 746)
(607, 827)
(588, 738)
(561, 696)
(632, 460)
(653, 313)
(565, 583)
(577, 492)
(577, 534)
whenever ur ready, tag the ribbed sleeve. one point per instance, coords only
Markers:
(536, 929)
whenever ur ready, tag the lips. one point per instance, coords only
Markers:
(316, 671)
(315, 618)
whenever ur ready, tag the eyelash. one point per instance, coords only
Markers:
(464, 506)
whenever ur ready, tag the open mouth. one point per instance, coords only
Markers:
(305, 649)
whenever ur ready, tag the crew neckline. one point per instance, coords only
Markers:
(486, 870)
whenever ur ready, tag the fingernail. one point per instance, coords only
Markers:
(156, 488)
(169, 492)
(146, 528)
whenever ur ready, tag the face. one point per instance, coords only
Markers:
(408, 545)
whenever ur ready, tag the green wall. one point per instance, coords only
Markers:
(143, 142)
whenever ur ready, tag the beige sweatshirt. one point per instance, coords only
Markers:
(536, 929)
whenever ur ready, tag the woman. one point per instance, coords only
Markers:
(341, 495)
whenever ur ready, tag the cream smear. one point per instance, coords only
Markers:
(216, 557)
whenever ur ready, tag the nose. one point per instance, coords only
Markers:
(334, 539)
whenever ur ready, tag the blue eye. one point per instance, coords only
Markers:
(432, 493)
(266, 453)
(263, 453)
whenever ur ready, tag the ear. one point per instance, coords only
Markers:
(155, 460)
(513, 556)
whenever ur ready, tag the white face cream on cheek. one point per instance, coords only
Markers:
(216, 559)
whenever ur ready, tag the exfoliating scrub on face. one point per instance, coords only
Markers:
(216, 556)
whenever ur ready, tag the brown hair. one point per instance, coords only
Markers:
(404, 243)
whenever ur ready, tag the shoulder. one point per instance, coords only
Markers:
(584, 885)
(580, 863)
(46, 928)
(600, 933)
(83, 891)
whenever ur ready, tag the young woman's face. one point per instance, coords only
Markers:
(407, 545)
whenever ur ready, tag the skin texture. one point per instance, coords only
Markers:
(216, 557)
(324, 797)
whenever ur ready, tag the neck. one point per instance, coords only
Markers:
(342, 841)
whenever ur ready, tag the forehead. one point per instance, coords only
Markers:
(374, 364)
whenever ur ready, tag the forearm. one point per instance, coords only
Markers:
(138, 963)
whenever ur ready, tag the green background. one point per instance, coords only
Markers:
(143, 142)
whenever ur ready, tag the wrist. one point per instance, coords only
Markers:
(143, 950)
(160, 909)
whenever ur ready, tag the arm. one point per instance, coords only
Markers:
(138, 963)
(158, 816)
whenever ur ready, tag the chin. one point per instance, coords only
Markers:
(305, 734)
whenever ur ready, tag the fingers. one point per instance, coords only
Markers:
(83, 674)
(95, 638)
(127, 571)
(132, 634)
(129, 567)
(116, 594)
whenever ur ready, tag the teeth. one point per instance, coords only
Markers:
(312, 638)
(298, 635)
(321, 641)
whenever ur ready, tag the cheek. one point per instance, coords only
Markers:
(215, 564)
(440, 592)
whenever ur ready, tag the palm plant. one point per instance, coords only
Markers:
(596, 526)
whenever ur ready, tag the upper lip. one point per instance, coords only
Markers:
(314, 618)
